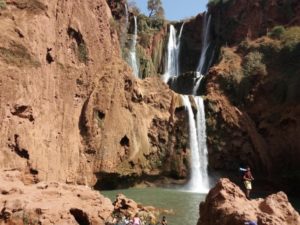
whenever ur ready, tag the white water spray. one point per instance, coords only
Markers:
(172, 57)
(201, 135)
(132, 52)
(197, 138)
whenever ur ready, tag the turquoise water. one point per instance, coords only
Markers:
(184, 204)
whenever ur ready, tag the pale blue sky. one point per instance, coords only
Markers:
(177, 9)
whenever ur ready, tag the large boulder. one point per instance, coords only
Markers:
(50, 202)
(226, 204)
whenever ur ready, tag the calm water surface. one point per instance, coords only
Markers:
(184, 204)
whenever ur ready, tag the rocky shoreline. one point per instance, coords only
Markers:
(57, 203)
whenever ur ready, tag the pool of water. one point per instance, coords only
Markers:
(184, 204)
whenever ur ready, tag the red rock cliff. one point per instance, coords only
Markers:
(70, 107)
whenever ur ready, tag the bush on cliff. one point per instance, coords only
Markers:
(277, 32)
(253, 65)
(2, 4)
(216, 2)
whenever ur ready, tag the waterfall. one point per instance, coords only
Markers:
(201, 135)
(202, 66)
(132, 52)
(204, 62)
(197, 139)
(126, 16)
(172, 56)
(197, 125)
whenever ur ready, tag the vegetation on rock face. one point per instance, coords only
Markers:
(216, 2)
(277, 32)
(17, 55)
(259, 60)
(253, 64)
(2, 4)
(257, 82)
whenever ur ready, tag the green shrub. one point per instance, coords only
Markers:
(83, 55)
(2, 4)
(291, 37)
(216, 2)
(253, 65)
(145, 39)
(277, 32)
(147, 24)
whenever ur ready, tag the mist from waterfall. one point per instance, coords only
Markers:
(132, 52)
(172, 57)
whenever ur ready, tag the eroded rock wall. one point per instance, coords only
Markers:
(252, 91)
(236, 19)
(70, 107)
(50, 57)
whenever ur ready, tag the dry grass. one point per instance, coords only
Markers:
(17, 55)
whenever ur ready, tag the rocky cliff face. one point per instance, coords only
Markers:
(235, 20)
(253, 97)
(226, 204)
(70, 107)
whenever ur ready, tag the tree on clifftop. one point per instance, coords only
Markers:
(156, 9)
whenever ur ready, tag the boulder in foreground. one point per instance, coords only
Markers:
(50, 203)
(226, 204)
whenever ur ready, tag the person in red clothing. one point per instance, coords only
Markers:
(248, 178)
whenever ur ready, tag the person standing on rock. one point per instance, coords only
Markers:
(248, 178)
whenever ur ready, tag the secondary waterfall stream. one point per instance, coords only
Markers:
(172, 57)
(132, 52)
(205, 61)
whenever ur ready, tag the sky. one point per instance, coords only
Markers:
(177, 9)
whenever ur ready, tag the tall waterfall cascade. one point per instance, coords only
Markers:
(197, 139)
(201, 135)
(172, 56)
(132, 52)
(199, 181)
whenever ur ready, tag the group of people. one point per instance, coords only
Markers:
(137, 221)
